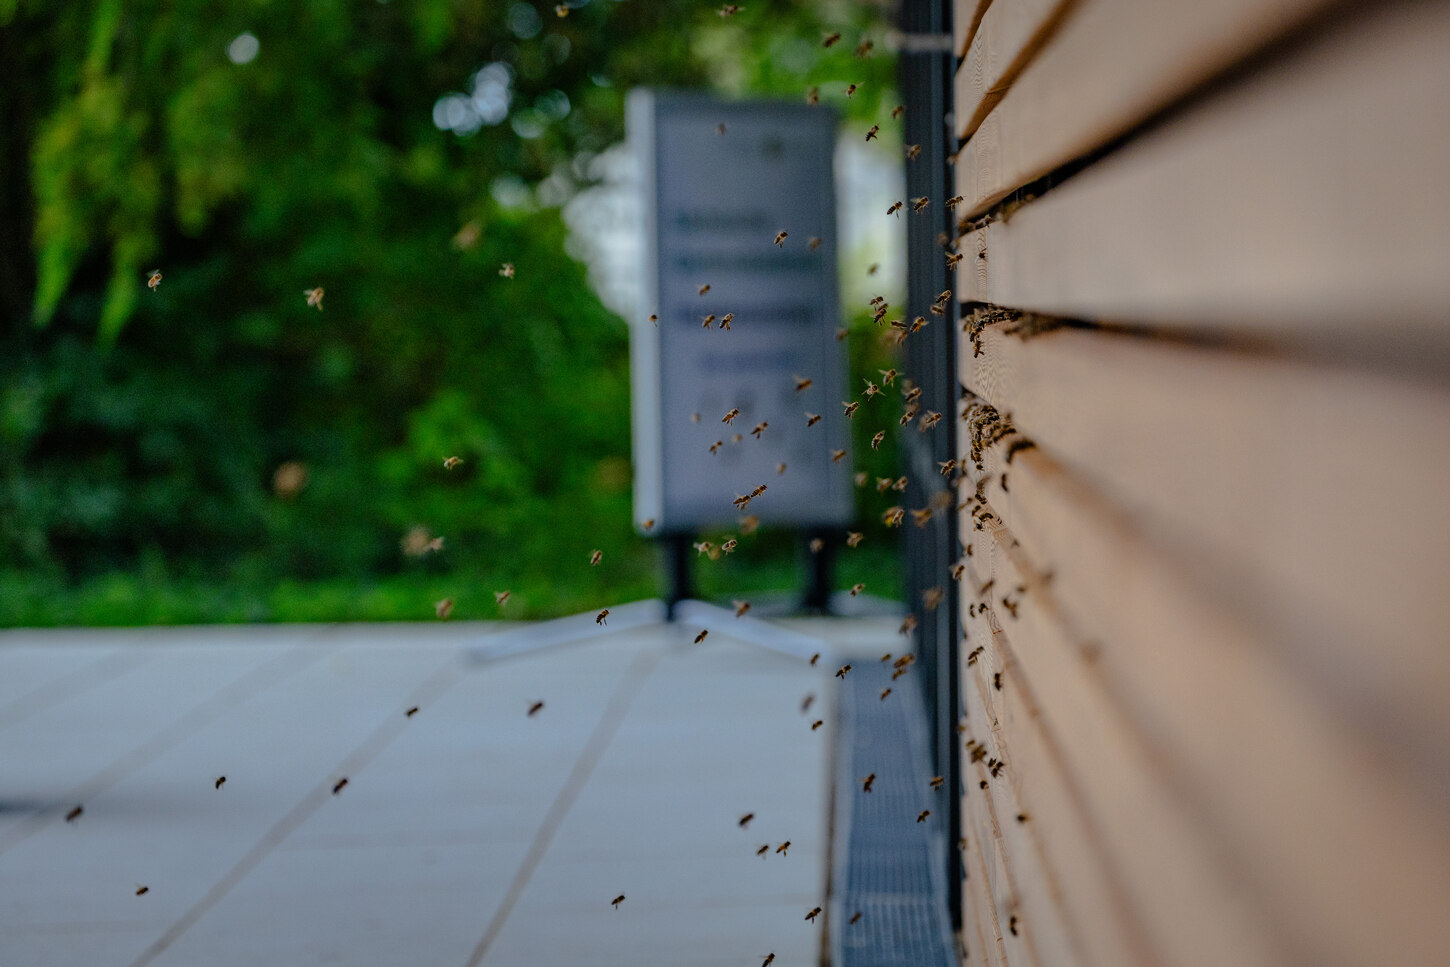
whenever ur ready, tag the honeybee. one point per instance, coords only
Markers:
(920, 517)
(450, 462)
(897, 111)
(142, 890)
(907, 624)
(919, 204)
(703, 547)
(904, 661)
(534, 708)
(443, 608)
(708, 321)
(931, 598)
(1012, 924)
(876, 440)
(870, 135)
(841, 333)
(806, 702)
(912, 150)
(851, 407)
(339, 786)
(599, 618)
(780, 239)
(153, 279)
(814, 242)
(816, 545)
(844, 670)
(745, 820)
(837, 456)
(701, 636)
(741, 607)
(507, 270)
(813, 96)
(561, 10)
(729, 418)
(853, 538)
(953, 202)
(74, 814)
(883, 484)
(763, 850)
(830, 39)
(912, 395)
(595, 557)
(817, 724)
(730, 9)
(850, 89)
(872, 269)
(314, 297)
(694, 418)
(892, 516)
(815, 658)
(736, 438)
(917, 324)
(617, 901)
(648, 523)
(783, 847)
(953, 258)
(894, 209)
(467, 236)
(957, 572)
(997, 681)
(815, 912)
(885, 692)
(936, 782)
(947, 466)
(921, 817)
(704, 288)
(714, 447)
(412, 711)
(779, 469)
(759, 429)
(899, 484)
(769, 959)
(726, 319)
(749, 524)
(220, 781)
(857, 588)
(861, 478)
(868, 782)
(720, 129)
(729, 545)
(863, 49)
(812, 419)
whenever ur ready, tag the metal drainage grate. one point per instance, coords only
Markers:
(886, 865)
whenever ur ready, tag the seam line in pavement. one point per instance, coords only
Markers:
(378, 740)
(104, 669)
(235, 693)
(603, 734)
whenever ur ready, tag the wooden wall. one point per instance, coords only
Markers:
(1205, 429)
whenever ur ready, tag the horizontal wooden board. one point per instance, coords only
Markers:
(1109, 65)
(1306, 203)
(1333, 845)
(1006, 38)
(1311, 496)
(1172, 877)
(966, 16)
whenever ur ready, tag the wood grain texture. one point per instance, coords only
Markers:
(1004, 41)
(1305, 203)
(1332, 845)
(966, 17)
(1311, 496)
(1110, 64)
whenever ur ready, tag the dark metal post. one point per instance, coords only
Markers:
(677, 563)
(819, 566)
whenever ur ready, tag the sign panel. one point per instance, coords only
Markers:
(721, 180)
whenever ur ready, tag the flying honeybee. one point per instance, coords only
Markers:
(648, 523)
(894, 209)
(876, 440)
(920, 517)
(830, 39)
(850, 89)
(759, 429)
(501, 597)
(853, 538)
(450, 462)
(912, 150)
(815, 912)
(701, 636)
(888, 376)
(931, 419)
(708, 321)
(817, 724)
(851, 407)
(599, 618)
(74, 814)
(814, 242)
(507, 270)
(953, 202)
(815, 658)
(844, 670)
(769, 959)
(153, 279)
(314, 297)
(816, 545)
(868, 782)
(780, 239)
(957, 572)
(936, 782)
(443, 608)
(730, 9)
(654, 318)
(340, 785)
(220, 781)
(714, 447)
(841, 333)
(861, 478)
(704, 288)
(763, 850)
(812, 419)
(806, 702)
(729, 545)
(741, 607)
(720, 129)
(726, 319)
(863, 49)
(736, 438)
(885, 692)
(412, 711)
(953, 258)
(467, 236)
(921, 818)
(837, 456)
(561, 10)
(899, 484)
(931, 598)
(779, 469)
(897, 111)
(892, 516)
(919, 204)
(142, 890)
(617, 901)
(729, 418)
(813, 96)
(886, 657)
(907, 624)
(781, 849)
(947, 466)
(703, 547)
(745, 820)
(871, 134)
(595, 557)
(749, 524)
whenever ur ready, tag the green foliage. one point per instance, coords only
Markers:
(141, 432)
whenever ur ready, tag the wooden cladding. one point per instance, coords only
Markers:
(1205, 433)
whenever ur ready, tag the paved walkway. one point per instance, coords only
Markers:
(469, 833)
